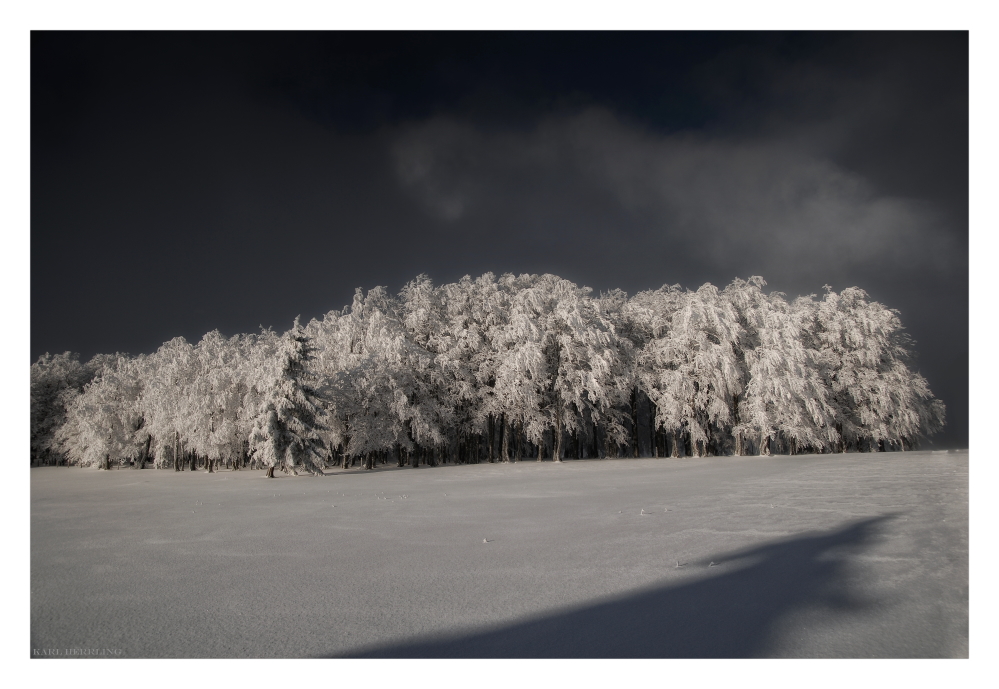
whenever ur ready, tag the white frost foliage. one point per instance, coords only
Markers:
(865, 355)
(104, 424)
(785, 394)
(535, 358)
(55, 381)
(289, 420)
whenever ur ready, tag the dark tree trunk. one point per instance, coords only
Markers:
(634, 421)
(557, 450)
(491, 433)
(504, 440)
(653, 435)
(140, 463)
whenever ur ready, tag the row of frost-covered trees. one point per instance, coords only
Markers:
(500, 369)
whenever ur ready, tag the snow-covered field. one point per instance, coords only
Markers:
(856, 555)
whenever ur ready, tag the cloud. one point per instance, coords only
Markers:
(766, 203)
(441, 163)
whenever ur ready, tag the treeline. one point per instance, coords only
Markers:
(501, 369)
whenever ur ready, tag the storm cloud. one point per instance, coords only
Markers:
(731, 203)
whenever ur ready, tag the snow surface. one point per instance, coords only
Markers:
(855, 555)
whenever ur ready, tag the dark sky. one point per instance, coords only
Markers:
(182, 182)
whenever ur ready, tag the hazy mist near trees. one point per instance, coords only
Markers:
(505, 368)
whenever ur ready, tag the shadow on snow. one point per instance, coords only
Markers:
(732, 614)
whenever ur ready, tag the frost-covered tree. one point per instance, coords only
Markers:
(865, 356)
(219, 392)
(55, 381)
(691, 367)
(105, 422)
(579, 357)
(785, 400)
(468, 354)
(289, 419)
(380, 391)
(170, 377)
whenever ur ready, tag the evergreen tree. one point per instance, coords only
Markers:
(290, 418)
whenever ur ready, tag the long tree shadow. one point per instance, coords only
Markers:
(729, 615)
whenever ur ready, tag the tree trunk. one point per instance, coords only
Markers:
(491, 432)
(140, 463)
(557, 451)
(504, 440)
(518, 440)
(653, 429)
(176, 451)
(634, 420)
